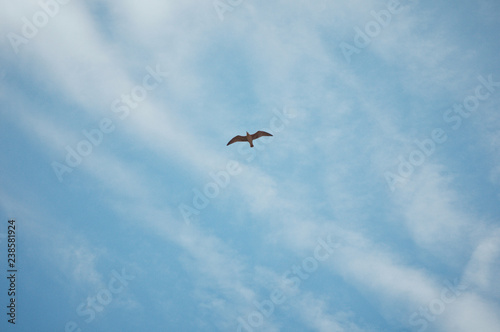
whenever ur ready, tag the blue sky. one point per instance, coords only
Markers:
(374, 207)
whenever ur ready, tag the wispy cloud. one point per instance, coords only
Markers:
(322, 174)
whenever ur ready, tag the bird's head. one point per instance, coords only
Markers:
(248, 133)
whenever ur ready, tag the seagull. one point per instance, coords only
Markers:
(248, 138)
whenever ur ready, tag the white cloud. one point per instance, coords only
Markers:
(315, 314)
(484, 266)
(84, 68)
(471, 313)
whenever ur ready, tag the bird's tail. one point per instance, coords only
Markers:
(251, 144)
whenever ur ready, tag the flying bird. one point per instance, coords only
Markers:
(248, 138)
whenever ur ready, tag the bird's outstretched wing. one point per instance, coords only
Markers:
(260, 134)
(237, 139)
